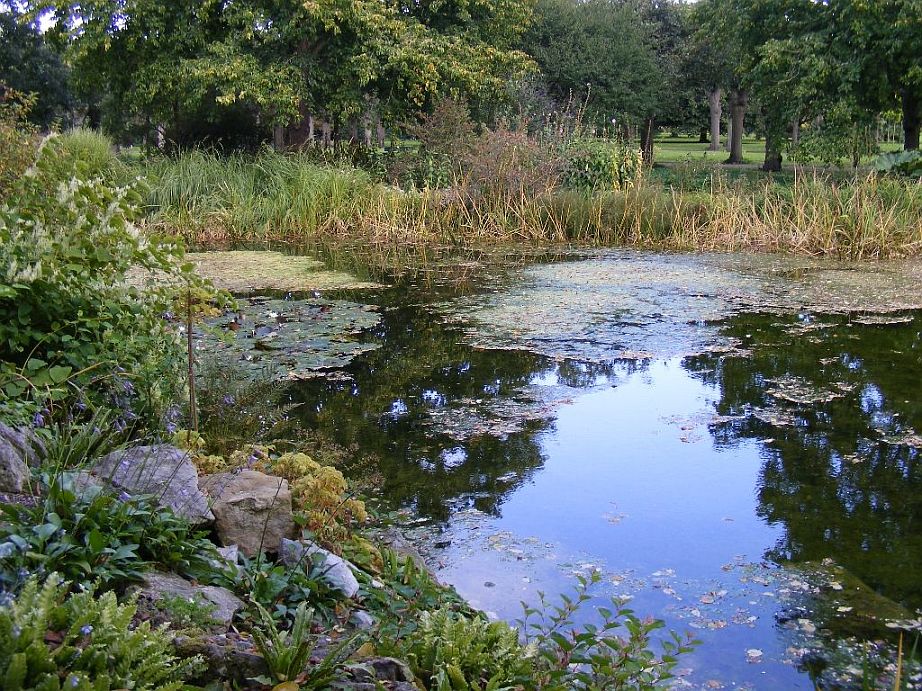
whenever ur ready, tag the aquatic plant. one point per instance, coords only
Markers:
(510, 193)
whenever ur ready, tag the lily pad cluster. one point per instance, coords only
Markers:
(292, 339)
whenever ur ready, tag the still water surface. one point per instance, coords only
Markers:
(750, 476)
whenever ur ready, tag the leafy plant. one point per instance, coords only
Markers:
(194, 614)
(282, 589)
(322, 494)
(88, 534)
(287, 653)
(50, 639)
(401, 592)
(18, 137)
(67, 311)
(596, 658)
(595, 165)
(453, 652)
(908, 163)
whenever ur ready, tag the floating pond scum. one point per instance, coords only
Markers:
(732, 442)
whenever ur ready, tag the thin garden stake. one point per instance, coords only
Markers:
(193, 407)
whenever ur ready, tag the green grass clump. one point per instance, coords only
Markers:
(239, 199)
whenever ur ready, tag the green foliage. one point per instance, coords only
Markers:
(842, 138)
(68, 315)
(908, 163)
(452, 652)
(18, 139)
(190, 614)
(596, 165)
(30, 65)
(287, 654)
(408, 591)
(596, 657)
(89, 535)
(51, 640)
(281, 589)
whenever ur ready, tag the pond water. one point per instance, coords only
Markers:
(733, 449)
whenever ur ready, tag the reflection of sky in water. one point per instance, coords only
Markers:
(633, 483)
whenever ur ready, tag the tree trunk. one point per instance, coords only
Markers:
(772, 163)
(912, 118)
(729, 134)
(795, 131)
(646, 143)
(738, 102)
(716, 111)
(703, 135)
(278, 137)
(380, 134)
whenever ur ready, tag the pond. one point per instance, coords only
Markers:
(730, 441)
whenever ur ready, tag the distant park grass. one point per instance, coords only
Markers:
(669, 150)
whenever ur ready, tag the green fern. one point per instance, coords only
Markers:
(49, 640)
(451, 652)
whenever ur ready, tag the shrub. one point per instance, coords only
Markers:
(322, 494)
(18, 138)
(596, 165)
(51, 640)
(68, 315)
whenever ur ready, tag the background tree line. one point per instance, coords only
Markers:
(808, 73)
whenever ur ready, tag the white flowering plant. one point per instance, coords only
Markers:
(69, 315)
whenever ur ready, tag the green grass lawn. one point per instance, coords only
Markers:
(683, 149)
(688, 149)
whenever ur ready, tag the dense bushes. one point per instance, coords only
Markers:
(69, 315)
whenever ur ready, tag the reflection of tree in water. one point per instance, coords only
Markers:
(422, 367)
(829, 476)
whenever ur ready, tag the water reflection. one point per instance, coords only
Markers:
(839, 401)
(453, 426)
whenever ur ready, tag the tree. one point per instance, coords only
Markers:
(29, 65)
(281, 59)
(600, 52)
(877, 45)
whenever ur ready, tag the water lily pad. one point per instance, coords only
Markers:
(245, 271)
(295, 339)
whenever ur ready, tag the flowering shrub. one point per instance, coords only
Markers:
(50, 640)
(68, 314)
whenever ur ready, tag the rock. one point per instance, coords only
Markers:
(335, 571)
(230, 554)
(25, 442)
(362, 620)
(157, 585)
(162, 471)
(225, 658)
(16, 453)
(252, 510)
(379, 669)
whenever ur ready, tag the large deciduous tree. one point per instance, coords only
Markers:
(282, 59)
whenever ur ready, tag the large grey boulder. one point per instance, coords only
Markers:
(334, 570)
(222, 602)
(19, 448)
(252, 509)
(163, 471)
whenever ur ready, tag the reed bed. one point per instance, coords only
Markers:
(243, 199)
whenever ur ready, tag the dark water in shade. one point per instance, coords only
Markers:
(697, 485)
